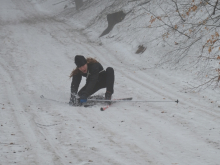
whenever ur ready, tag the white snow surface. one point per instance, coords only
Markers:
(38, 42)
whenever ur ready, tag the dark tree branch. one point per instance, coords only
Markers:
(211, 5)
(167, 24)
(178, 10)
(215, 7)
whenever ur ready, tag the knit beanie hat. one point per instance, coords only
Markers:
(80, 60)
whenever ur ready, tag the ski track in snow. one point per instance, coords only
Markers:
(37, 52)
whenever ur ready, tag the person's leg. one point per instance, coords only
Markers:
(82, 90)
(110, 79)
(106, 80)
(99, 85)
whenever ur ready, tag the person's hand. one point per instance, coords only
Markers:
(72, 99)
(83, 99)
(71, 103)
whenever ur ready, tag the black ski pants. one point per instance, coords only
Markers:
(106, 80)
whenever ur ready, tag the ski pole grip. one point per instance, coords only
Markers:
(104, 108)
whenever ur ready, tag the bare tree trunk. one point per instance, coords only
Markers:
(78, 3)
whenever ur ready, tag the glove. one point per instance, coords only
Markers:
(73, 99)
(83, 99)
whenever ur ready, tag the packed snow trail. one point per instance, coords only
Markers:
(37, 52)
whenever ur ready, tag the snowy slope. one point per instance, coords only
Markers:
(39, 40)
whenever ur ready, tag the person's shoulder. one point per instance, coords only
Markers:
(95, 68)
(94, 65)
(93, 62)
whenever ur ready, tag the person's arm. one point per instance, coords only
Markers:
(75, 83)
(74, 88)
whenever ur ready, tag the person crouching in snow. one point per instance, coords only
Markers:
(96, 79)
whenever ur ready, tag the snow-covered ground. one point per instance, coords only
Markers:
(38, 42)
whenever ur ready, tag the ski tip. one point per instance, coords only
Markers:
(42, 96)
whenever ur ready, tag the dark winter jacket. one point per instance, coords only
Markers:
(94, 71)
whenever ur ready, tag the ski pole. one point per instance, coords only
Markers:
(42, 96)
(177, 101)
(104, 108)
